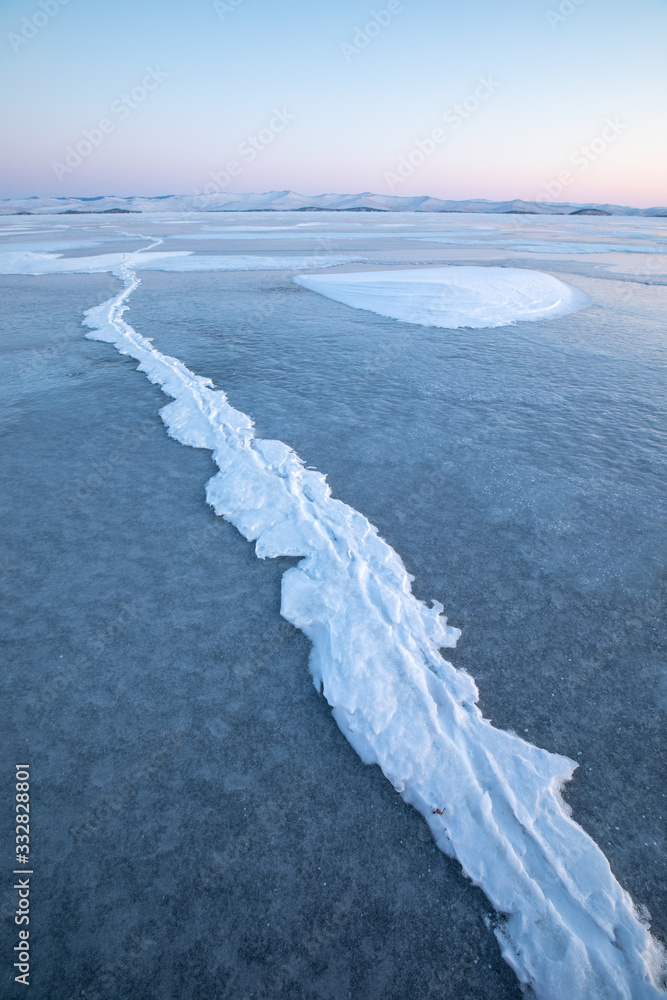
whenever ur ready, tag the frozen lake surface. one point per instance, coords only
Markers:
(184, 766)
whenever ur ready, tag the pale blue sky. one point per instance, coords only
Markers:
(355, 113)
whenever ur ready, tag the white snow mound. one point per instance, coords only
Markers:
(452, 297)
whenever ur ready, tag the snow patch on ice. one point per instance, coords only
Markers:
(452, 297)
(28, 262)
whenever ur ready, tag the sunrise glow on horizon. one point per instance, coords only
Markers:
(410, 97)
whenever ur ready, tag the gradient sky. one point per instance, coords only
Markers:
(355, 114)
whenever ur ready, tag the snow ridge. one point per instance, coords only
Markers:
(491, 799)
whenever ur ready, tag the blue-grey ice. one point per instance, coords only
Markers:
(492, 800)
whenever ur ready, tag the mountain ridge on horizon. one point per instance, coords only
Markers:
(292, 201)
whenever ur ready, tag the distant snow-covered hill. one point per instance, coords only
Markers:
(290, 201)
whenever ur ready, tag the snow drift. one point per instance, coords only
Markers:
(452, 297)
